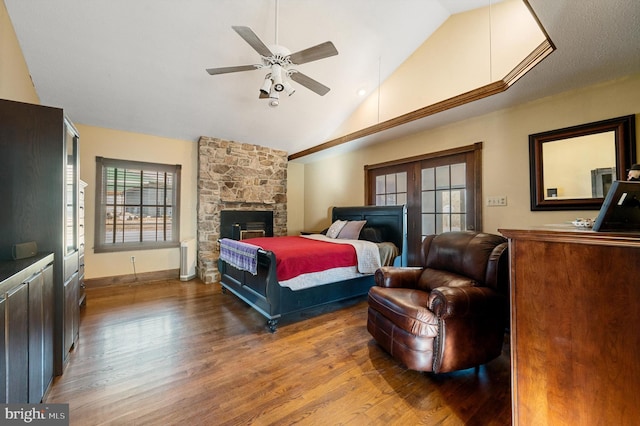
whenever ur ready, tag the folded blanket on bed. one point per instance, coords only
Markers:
(240, 255)
(388, 253)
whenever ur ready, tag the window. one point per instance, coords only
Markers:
(137, 205)
(441, 191)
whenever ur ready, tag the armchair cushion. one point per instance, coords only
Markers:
(434, 278)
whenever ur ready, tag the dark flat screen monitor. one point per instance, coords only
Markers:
(621, 208)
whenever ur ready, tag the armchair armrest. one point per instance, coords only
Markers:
(472, 326)
(449, 302)
(400, 277)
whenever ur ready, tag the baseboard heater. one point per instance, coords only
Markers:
(187, 259)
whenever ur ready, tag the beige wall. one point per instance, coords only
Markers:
(468, 51)
(96, 141)
(339, 181)
(15, 84)
(15, 81)
(295, 198)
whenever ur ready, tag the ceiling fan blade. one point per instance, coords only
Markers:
(321, 51)
(250, 37)
(310, 83)
(225, 70)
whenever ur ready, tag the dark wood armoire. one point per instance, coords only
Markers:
(39, 192)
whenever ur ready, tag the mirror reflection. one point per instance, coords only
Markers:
(573, 168)
(580, 167)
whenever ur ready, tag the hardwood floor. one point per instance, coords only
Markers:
(170, 352)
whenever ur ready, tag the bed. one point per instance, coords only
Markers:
(261, 289)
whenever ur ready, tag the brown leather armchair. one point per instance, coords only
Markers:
(449, 314)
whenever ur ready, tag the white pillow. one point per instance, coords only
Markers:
(351, 231)
(335, 228)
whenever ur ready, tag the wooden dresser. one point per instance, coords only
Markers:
(575, 326)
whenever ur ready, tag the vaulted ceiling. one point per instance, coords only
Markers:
(140, 65)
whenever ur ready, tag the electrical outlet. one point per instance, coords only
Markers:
(133, 259)
(497, 200)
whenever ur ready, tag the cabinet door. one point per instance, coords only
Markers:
(17, 340)
(3, 351)
(36, 338)
(48, 309)
(71, 312)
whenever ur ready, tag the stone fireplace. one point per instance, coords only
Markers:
(236, 177)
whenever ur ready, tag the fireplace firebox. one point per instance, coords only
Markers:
(245, 224)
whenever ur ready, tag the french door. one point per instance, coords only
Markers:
(442, 192)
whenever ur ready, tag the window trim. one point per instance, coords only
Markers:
(100, 211)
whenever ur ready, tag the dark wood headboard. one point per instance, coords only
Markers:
(390, 220)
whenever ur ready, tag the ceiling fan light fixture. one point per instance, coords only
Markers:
(274, 98)
(276, 76)
(266, 85)
(288, 88)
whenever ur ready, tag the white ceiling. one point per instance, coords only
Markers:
(140, 65)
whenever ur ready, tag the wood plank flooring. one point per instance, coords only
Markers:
(184, 353)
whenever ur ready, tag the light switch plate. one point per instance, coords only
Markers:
(497, 200)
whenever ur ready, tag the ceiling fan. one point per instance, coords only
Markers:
(280, 62)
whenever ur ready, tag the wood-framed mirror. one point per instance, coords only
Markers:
(572, 168)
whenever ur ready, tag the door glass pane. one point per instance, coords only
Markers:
(380, 184)
(428, 179)
(442, 223)
(458, 175)
(442, 177)
(391, 184)
(401, 181)
(428, 224)
(429, 201)
(71, 195)
(390, 200)
(443, 204)
(458, 222)
(458, 202)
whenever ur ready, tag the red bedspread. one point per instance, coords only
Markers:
(299, 255)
